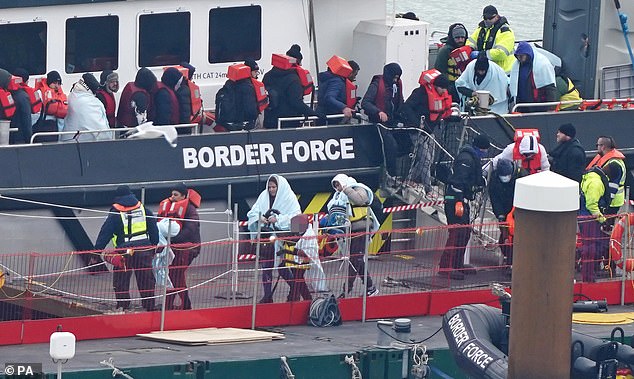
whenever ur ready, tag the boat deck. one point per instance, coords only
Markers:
(300, 341)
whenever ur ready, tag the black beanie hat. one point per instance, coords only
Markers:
(122, 190)
(53, 77)
(481, 141)
(504, 167)
(252, 64)
(568, 129)
(441, 81)
(482, 62)
(91, 82)
(180, 187)
(354, 65)
(24, 74)
(295, 52)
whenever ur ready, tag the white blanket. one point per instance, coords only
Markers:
(85, 112)
(285, 202)
(495, 81)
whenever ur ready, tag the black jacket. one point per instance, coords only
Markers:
(183, 94)
(569, 159)
(113, 226)
(417, 105)
(392, 104)
(22, 117)
(466, 176)
(286, 88)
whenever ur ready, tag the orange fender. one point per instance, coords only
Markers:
(616, 249)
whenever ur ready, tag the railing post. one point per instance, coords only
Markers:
(366, 261)
(234, 258)
(256, 272)
(164, 294)
(625, 252)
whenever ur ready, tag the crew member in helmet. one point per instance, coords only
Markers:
(109, 85)
(528, 153)
(447, 65)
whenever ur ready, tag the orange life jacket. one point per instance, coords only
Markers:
(174, 209)
(462, 56)
(197, 101)
(34, 97)
(261, 95)
(305, 78)
(351, 94)
(439, 105)
(53, 100)
(532, 164)
(600, 161)
(7, 104)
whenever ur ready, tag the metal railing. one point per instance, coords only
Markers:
(114, 132)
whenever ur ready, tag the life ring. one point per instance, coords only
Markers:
(616, 249)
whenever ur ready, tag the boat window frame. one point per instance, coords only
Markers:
(97, 68)
(26, 49)
(180, 10)
(234, 56)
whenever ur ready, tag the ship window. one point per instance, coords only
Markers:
(23, 45)
(90, 51)
(164, 39)
(235, 34)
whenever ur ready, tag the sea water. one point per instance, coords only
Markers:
(526, 18)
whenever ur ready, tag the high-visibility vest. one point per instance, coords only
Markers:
(134, 223)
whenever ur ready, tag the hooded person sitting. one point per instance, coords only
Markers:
(384, 96)
(532, 78)
(165, 107)
(485, 75)
(136, 98)
(86, 112)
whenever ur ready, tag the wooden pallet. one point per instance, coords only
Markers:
(212, 336)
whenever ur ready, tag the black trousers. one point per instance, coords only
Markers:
(140, 263)
(453, 254)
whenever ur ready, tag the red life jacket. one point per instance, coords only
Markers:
(462, 56)
(7, 104)
(439, 105)
(351, 94)
(174, 209)
(261, 95)
(379, 100)
(54, 101)
(305, 78)
(34, 98)
(532, 164)
(197, 100)
(110, 106)
(126, 114)
(174, 120)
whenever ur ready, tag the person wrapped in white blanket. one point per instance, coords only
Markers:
(86, 112)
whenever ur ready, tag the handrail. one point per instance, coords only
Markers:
(114, 131)
(357, 116)
(610, 103)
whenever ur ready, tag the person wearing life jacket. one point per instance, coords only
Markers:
(493, 37)
(165, 107)
(34, 99)
(337, 94)
(259, 90)
(464, 182)
(568, 158)
(305, 78)
(86, 112)
(609, 156)
(453, 50)
(131, 228)
(53, 97)
(501, 191)
(532, 78)
(594, 200)
(108, 86)
(384, 96)
(527, 152)
(21, 117)
(484, 75)
(136, 99)
(286, 92)
(186, 244)
(295, 261)
(196, 99)
(566, 89)
(240, 99)
(425, 108)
